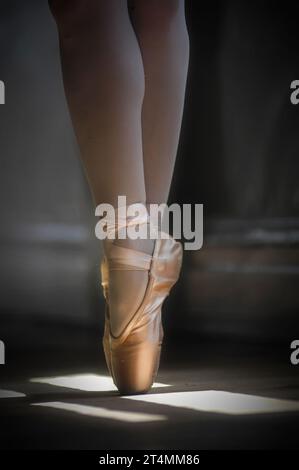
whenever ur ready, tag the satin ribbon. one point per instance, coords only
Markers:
(125, 217)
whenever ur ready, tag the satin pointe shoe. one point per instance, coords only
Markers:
(104, 282)
(133, 356)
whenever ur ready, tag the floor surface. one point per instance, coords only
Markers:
(209, 395)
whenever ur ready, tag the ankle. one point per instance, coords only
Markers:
(146, 245)
(129, 227)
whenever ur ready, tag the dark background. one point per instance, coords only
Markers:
(238, 155)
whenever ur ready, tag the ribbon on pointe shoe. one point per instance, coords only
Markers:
(126, 217)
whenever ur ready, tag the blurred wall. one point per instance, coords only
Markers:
(239, 154)
(49, 255)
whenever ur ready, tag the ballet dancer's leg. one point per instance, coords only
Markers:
(104, 85)
(164, 43)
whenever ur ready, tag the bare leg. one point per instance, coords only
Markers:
(163, 38)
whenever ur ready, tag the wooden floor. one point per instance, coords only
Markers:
(209, 395)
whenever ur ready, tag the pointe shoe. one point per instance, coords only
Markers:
(133, 357)
(104, 282)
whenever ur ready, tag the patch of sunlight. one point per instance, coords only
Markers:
(10, 394)
(105, 413)
(86, 382)
(215, 401)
